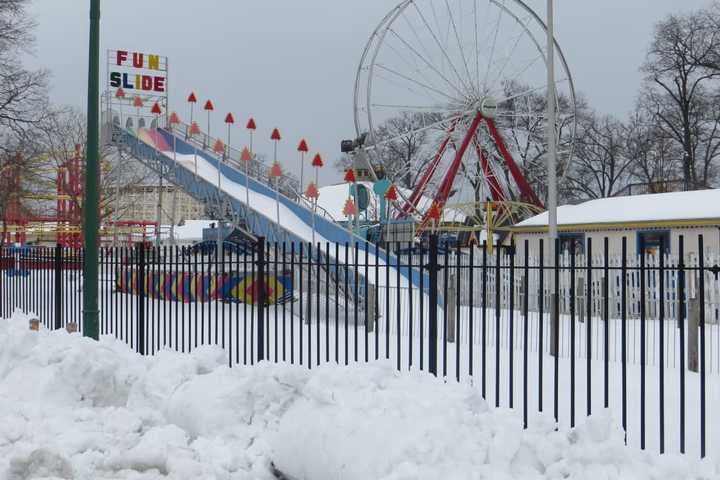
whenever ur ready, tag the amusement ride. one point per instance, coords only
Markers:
(463, 79)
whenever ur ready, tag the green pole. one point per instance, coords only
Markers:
(91, 202)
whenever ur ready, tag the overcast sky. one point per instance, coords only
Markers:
(291, 63)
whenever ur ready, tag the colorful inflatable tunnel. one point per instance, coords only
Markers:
(204, 287)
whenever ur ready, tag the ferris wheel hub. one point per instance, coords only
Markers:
(488, 107)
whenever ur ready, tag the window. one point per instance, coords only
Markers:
(568, 241)
(649, 243)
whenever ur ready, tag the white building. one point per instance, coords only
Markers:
(139, 202)
(646, 221)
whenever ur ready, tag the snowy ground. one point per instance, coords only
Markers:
(73, 408)
(290, 338)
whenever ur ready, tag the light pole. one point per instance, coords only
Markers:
(552, 117)
(276, 172)
(303, 149)
(156, 111)
(91, 202)
(174, 121)
(219, 149)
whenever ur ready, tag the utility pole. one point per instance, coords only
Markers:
(552, 121)
(91, 202)
(552, 178)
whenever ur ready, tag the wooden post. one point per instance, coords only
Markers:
(452, 308)
(308, 305)
(371, 307)
(604, 296)
(580, 295)
(554, 325)
(693, 329)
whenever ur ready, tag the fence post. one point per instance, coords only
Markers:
(141, 298)
(58, 287)
(433, 304)
(261, 299)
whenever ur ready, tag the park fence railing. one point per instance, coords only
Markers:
(638, 336)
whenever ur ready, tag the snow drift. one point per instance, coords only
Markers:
(71, 408)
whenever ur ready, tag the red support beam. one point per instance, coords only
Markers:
(412, 202)
(526, 191)
(445, 187)
(492, 182)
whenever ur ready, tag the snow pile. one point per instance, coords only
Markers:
(71, 408)
(371, 423)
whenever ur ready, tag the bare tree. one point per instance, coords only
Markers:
(681, 90)
(63, 136)
(657, 157)
(23, 93)
(22, 180)
(602, 165)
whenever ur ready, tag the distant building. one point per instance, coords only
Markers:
(647, 221)
(139, 202)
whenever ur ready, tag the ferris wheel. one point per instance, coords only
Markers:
(450, 101)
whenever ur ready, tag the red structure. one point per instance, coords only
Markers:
(69, 193)
(67, 219)
(68, 216)
(445, 187)
(14, 214)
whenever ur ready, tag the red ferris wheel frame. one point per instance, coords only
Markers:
(527, 194)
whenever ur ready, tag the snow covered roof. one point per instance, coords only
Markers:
(701, 206)
(192, 230)
(332, 198)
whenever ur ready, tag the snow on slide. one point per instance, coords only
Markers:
(293, 218)
(73, 408)
(263, 203)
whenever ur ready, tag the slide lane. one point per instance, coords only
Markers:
(294, 219)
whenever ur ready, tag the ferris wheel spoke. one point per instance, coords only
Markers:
(492, 51)
(511, 114)
(435, 18)
(416, 68)
(520, 72)
(412, 80)
(442, 48)
(416, 34)
(477, 43)
(529, 92)
(510, 55)
(460, 47)
(399, 85)
(408, 107)
(445, 121)
(427, 62)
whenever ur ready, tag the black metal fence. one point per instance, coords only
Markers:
(569, 336)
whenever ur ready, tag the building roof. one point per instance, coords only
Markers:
(190, 231)
(701, 207)
(332, 198)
